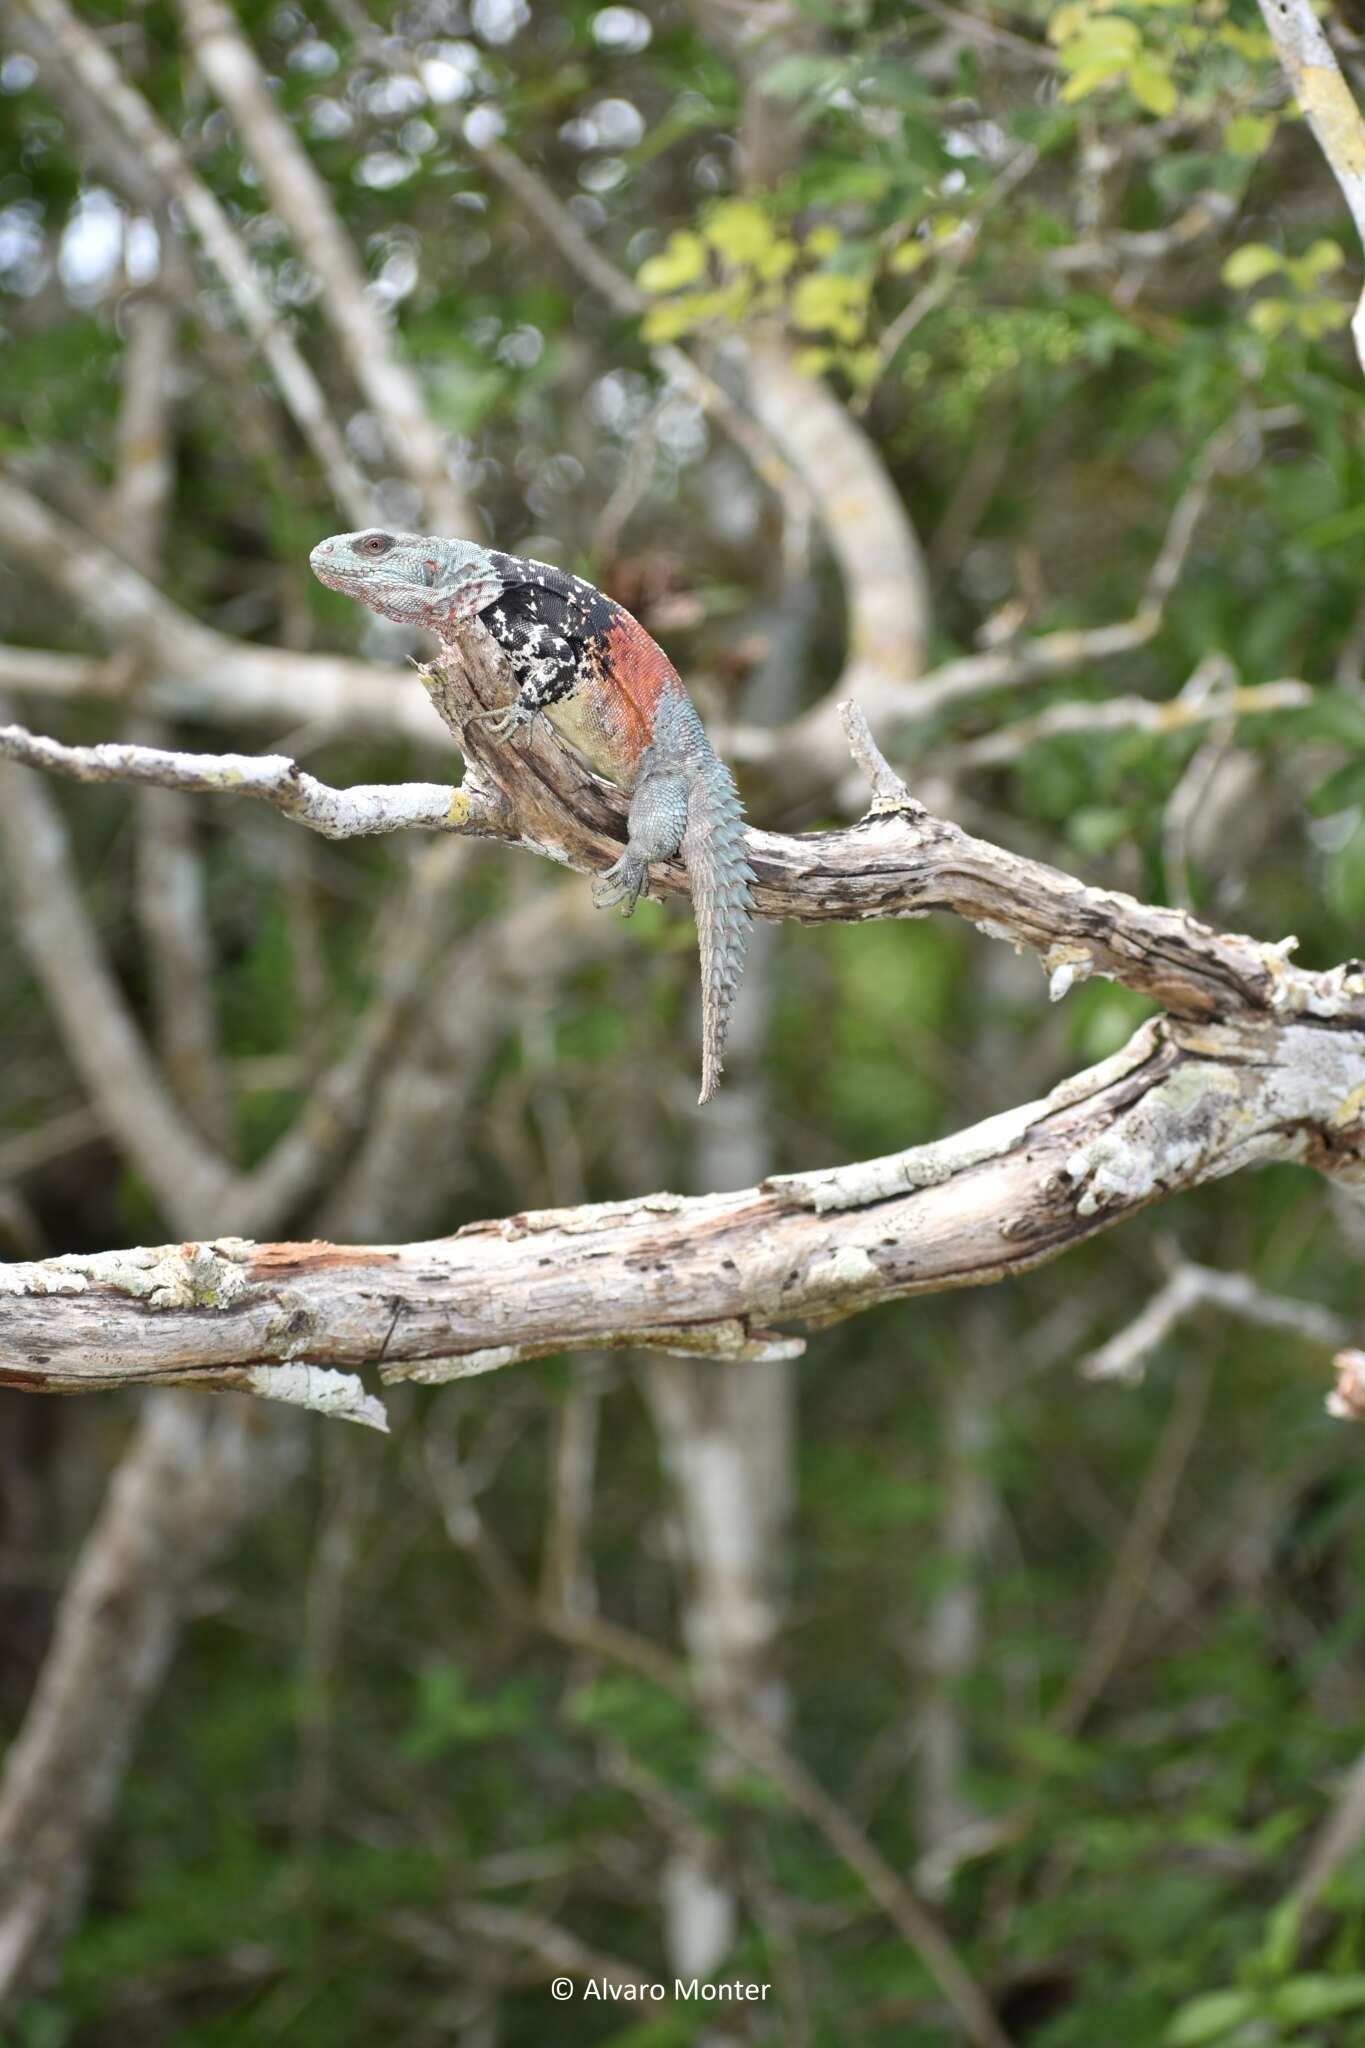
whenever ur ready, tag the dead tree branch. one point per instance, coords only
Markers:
(71, 43)
(1179, 1105)
(168, 662)
(303, 203)
(180, 1496)
(1255, 1060)
(1309, 64)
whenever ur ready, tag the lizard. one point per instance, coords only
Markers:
(606, 686)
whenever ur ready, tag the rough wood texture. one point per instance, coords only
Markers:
(1254, 1060)
(1180, 1104)
(898, 861)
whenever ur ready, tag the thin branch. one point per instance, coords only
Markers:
(1335, 1842)
(192, 1182)
(804, 426)
(949, 259)
(1133, 1561)
(175, 665)
(301, 199)
(171, 901)
(805, 755)
(187, 1176)
(1192, 1287)
(76, 45)
(751, 1740)
(359, 812)
(195, 1473)
(757, 1745)
(1309, 63)
(624, 296)
(1182, 713)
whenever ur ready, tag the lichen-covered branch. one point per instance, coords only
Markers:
(721, 1274)
(359, 812)
(899, 861)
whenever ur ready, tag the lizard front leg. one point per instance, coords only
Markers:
(658, 820)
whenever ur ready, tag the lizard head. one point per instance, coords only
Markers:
(415, 577)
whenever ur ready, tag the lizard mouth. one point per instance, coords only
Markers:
(329, 569)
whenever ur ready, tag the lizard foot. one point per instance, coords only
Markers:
(621, 884)
(505, 721)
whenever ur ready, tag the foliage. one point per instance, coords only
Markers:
(1042, 273)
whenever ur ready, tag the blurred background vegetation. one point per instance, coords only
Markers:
(1085, 1663)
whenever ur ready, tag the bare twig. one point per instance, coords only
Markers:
(806, 428)
(1127, 714)
(757, 1744)
(173, 664)
(187, 1176)
(1309, 63)
(74, 44)
(360, 812)
(750, 1739)
(171, 903)
(303, 203)
(194, 1475)
(1193, 1287)
(624, 296)
(190, 1180)
(803, 756)
(1335, 1842)
(1142, 1539)
(949, 259)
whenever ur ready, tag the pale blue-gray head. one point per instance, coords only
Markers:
(415, 576)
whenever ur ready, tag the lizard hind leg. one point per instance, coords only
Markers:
(658, 820)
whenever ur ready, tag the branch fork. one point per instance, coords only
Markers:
(1254, 1059)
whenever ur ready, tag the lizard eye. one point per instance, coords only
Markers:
(374, 543)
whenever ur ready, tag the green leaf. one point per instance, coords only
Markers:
(1282, 1929)
(909, 256)
(739, 231)
(1251, 43)
(681, 262)
(683, 315)
(830, 302)
(798, 77)
(1270, 317)
(1151, 84)
(1096, 829)
(1322, 260)
(1068, 22)
(1251, 264)
(1209, 2017)
(1108, 38)
(1249, 135)
(1321, 316)
(1337, 527)
(1301, 2000)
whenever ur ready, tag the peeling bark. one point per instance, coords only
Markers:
(1179, 1105)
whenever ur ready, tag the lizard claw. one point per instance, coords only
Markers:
(622, 883)
(505, 721)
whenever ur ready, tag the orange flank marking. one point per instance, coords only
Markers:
(641, 672)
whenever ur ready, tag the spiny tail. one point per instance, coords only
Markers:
(713, 851)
